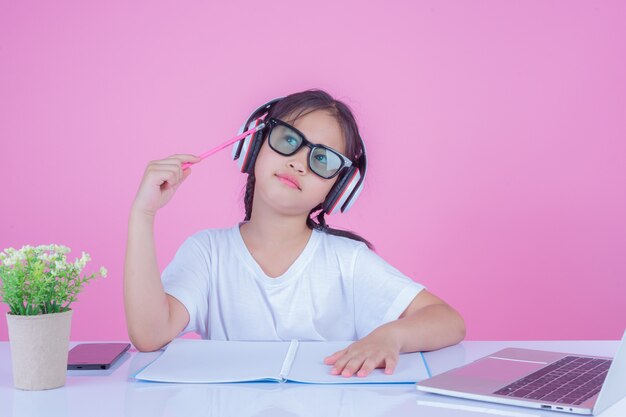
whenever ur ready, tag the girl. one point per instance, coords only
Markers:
(281, 275)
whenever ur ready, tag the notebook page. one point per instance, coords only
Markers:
(309, 367)
(214, 361)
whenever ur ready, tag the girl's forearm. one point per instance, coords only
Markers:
(147, 310)
(432, 327)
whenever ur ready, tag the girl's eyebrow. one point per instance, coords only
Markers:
(310, 141)
(298, 131)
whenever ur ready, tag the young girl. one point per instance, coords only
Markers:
(281, 275)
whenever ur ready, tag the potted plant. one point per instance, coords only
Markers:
(39, 284)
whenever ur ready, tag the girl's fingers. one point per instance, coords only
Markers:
(352, 366)
(372, 363)
(176, 160)
(171, 172)
(184, 157)
(340, 359)
(339, 365)
(186, 173)
(183, 161)
(390, 364)
(347, 364)
(368, 366)
(167, 180)
(161, 179)
(342, 362)
(330, 360)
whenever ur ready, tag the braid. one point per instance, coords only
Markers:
(321, 221)
(323, 227)
(311, 223)
(247, 200)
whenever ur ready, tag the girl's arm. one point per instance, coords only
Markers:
(428, 323)
(153, 318)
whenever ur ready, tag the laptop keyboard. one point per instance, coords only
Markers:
(571, 380)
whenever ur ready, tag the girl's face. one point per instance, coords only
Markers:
(285, 182)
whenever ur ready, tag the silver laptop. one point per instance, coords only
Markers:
(578, 384)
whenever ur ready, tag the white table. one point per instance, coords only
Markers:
(114, 392)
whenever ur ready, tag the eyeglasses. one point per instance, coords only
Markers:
(287, 140)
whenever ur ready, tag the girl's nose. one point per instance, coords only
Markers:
(298, 161)
(297, 166)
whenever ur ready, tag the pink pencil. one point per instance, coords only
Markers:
(225, 144)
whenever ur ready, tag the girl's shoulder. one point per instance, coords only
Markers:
(213, 236)
(340, 243)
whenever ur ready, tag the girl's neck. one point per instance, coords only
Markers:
(275, 229)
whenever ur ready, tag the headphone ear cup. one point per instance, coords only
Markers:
(343, 194)
(240, 150)
(253, 150)
(244, 150)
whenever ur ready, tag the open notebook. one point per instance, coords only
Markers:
(214, 361)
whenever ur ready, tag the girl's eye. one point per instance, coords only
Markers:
(321, 159)
(291, 141)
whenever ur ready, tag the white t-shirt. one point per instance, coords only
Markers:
(337, 289)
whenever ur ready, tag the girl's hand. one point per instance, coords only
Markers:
(379, 349)
(160, 181)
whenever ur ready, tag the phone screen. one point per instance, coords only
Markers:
(95, 355)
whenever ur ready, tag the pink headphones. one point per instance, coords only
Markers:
(349, 183)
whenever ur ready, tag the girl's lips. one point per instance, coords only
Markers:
(288, 180)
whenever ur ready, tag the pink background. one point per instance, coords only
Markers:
(495, 135)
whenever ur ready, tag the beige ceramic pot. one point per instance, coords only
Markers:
(39, 346)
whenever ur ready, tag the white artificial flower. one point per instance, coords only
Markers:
(103, 271)
(80, 263)
(62, 249)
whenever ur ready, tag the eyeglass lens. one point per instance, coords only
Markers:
(324, 162)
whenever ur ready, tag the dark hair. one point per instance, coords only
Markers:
(297, 105)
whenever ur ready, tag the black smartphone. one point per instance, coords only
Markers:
(95, 355)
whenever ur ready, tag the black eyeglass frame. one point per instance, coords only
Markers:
(345, 162)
